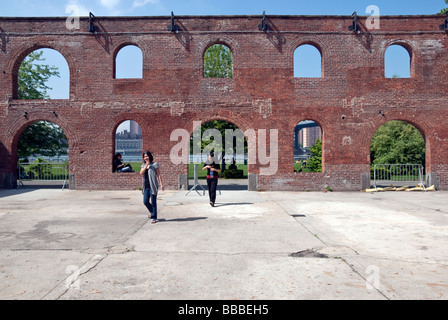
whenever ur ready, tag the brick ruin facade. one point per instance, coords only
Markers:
(350, 101)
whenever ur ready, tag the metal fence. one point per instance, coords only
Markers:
(398, 175)
(42, 174)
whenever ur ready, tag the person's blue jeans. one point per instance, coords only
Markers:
(150, 201)
(126, 169)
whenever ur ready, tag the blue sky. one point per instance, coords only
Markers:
(42, 8)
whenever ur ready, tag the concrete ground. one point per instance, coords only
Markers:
(69, 244)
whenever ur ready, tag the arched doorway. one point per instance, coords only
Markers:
(42, 153)
(398, 155)
(230, 148)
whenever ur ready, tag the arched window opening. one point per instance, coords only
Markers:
(397, 155)
(129, 63)
(397, 142)
(128, 147)
(397, 62)
(218, 62)
(43, 74)
(307, 62)
(308, 147)
(42, 150)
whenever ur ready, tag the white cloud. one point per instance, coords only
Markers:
(110, 4)
(141, 3)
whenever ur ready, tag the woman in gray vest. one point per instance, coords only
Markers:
(152, 179)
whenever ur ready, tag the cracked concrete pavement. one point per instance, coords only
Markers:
(75, 244)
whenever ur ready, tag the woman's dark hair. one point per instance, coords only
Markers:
(147, 152)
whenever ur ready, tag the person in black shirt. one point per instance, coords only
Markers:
(119, 166)
(213, 170)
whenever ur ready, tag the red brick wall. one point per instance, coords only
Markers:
(263, 94)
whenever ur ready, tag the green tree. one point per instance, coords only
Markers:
(443, 11)
(218, 62)
(41, 138)
(33, 76)
(221, 126)
(397, 142)
(314, 163)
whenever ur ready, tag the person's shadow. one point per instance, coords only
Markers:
(182, 219)
(232, 204)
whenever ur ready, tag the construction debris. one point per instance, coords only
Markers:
(404, 188)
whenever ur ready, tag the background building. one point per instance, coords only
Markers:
(129, 143)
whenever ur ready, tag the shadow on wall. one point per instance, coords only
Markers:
(7, 178)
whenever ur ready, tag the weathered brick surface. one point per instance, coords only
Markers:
(263, 94)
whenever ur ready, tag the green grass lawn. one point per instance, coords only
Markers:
(57, 172)
(43, 171)
(201, 174)
(136, 166)
(298, 166)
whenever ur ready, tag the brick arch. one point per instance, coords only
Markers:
(227, 41)
(421, 125)
(228, 116)
(23, 51)
(294, 121)
(21, 123)
(113, 125)
(138, 43)
(314, 41)
(311, 119)
(399, 42)
(227, 120)
(124, 117)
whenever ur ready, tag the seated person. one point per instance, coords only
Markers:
(119, 166)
